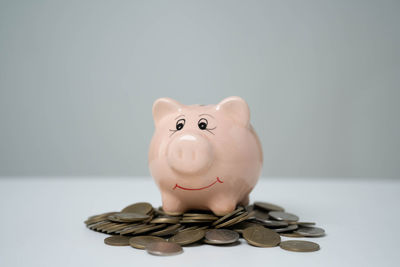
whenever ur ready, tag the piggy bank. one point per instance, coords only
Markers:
(205, 157)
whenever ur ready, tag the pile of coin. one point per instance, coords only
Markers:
(161, 233)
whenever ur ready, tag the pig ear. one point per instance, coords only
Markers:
(164, 106)
(237, 109)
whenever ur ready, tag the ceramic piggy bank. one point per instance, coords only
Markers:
(204, 157)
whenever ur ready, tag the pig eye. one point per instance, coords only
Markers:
(179, 124)
(202, 124)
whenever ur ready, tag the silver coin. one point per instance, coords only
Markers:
(283, 216)
(310, 231)
(221, 236)
(164, 248)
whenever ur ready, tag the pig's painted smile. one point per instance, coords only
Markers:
(201, 188)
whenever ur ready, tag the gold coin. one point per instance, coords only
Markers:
(141, 242)
(188, 237)
(299, 246)
(117, 240)
(268, 206)
(223, 218)
(140, 207)
(261, 237)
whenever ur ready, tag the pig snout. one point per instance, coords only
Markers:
(190, 153)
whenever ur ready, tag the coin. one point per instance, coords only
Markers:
(194, 221)
(239, 227)
(310, 231)
(167, 231)
(261, 237)
(271, 223)
(140, 208)
(98, 218)
(221, 236)
(283, 216)
(184, 228)
(299, 246)
(127, 217)
(164, 248)
(170, 220)
(249, 208)
(234, 220)
(95, 225)
(286, 229)
(188, 237)
(103, 226)
(223, 218)
(115, 227)
(258, 215)
(261, 224)
(141, 242)
(149, 228)
(268, 206)
(131, 229)
(117, 240)
(291, 235)
(201, 217)
(303, 223)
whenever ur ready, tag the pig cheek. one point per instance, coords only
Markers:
(158, 165)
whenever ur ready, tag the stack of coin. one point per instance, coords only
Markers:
(261, 224)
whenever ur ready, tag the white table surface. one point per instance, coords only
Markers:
(42, 223)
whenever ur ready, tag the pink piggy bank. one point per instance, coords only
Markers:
(204, 157)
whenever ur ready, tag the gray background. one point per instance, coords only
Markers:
(78, 79)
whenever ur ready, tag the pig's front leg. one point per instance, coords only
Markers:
(172, 204)
(245, 201)
(222, 205)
